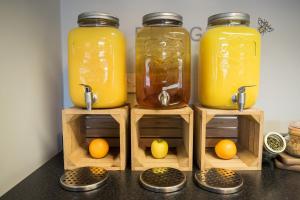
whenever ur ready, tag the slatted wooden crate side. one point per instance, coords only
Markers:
(223, 121)
(105, 121)
(163, 121)
(160, 126)
(217, 132)
(221, 127)
(100, 126)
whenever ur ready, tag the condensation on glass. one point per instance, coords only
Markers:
(162, 62)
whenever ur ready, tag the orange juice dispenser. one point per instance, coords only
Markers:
(162, 61)
(229, 63)
(97, 64)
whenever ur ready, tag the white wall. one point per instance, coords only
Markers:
(279, 91)
(30, 87)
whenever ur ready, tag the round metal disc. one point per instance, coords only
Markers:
(84, 178)
(162, 179)
(219, 180)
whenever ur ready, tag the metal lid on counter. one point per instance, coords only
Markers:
(84, 178)
(163, 179)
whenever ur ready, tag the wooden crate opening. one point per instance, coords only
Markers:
(169, 128)
(81, 129)
(89, 127)
(244, 128)
(174, 126)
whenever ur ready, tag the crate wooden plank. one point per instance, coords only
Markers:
(160, 132)
(102, 132)
(99, 121)
(161, 122)
(221, 132)
(223, 121)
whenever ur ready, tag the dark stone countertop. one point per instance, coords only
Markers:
(44, 184)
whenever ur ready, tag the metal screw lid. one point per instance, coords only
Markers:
(162, 179)
(219, 180)
(236, 18)
(84, 178)
(95, 18)
(162, 18)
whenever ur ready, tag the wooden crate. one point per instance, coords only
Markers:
(248, 136)
(81, 126)
(175, 126)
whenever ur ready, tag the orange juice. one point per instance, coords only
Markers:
(97, 59)
(229, 59)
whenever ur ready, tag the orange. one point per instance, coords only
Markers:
(225, 149)
(98, 148)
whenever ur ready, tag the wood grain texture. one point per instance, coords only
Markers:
(175, 126)
(81, 126)
(210, 129)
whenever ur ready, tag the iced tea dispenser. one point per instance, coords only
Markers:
(162, 61)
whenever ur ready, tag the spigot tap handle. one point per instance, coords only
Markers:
(86, 87)
(243, 88)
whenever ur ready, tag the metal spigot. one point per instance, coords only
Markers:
(240, 97)
(164, 98)
(89, 97)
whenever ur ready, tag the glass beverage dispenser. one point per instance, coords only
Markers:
(162, 61)
(97, 63)
(229, 62)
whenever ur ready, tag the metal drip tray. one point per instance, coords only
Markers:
(219, 180)
(84, 178)
(162, 179)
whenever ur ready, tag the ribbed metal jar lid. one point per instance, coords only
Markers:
(103, 18)
(223, 18)
(162, 18)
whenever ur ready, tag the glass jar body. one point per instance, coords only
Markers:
(293, 144)
(162, 67)
(229, 58)
(97, 59)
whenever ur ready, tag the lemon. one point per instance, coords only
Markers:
(159, 148)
